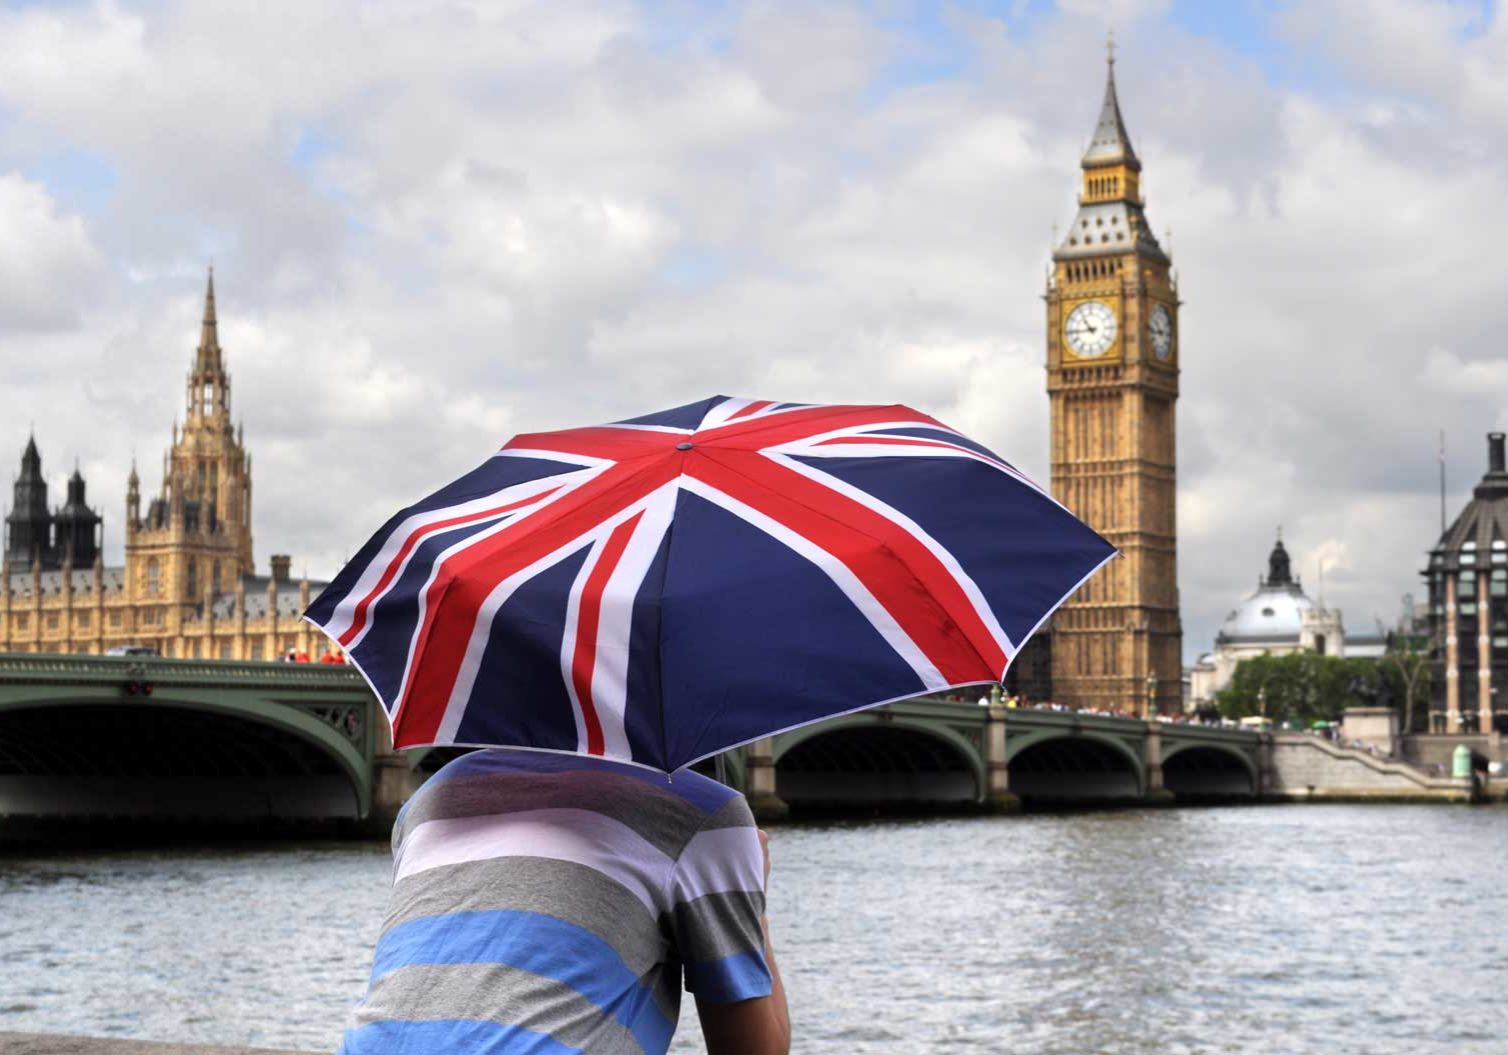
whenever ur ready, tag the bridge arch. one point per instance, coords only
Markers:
(877, 761)
(177, 757)
(1196, 770)
(1085, 767)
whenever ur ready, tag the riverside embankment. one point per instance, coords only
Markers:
(59, 1044)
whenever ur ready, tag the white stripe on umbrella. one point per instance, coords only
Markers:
(853, 588)
(818, 446)
(365, 588)
(944, 557)
(459, 547)
(615, 618)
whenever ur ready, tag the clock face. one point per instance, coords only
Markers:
(1160, 328)
(1090, 329)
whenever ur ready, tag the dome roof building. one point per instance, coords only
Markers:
(1275, 613)
(1278, 618)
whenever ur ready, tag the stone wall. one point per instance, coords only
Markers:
(1304, 767)
(1428, 751)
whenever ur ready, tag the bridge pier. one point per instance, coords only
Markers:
(393, 781)
(997, 774)
(759, 782)
(1157, 793)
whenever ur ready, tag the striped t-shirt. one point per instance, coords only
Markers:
(550, 904)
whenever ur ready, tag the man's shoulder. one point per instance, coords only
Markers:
(571, 791)
(707, 794)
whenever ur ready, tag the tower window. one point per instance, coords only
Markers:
(193, 577)
(154, 576)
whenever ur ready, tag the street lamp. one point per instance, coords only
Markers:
(1151, 696)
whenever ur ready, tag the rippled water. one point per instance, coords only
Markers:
(1297, 929)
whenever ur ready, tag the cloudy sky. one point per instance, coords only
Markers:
(435, 223)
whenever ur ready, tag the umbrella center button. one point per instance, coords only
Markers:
(683, 446)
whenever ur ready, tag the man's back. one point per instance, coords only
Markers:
(549, 903)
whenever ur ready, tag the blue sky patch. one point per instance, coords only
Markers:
(79, 180)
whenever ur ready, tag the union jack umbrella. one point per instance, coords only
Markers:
(661, 589)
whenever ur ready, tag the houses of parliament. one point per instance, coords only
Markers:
(188, 587)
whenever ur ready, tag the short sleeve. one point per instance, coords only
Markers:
(717, 902)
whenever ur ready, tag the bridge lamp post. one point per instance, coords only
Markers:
(1151, 707)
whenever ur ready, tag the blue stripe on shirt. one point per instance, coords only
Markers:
(449, 1035)
(742, 976)
(533, 942)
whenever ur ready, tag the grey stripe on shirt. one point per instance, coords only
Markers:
(572, 892)
(714, 926)
(510, 997)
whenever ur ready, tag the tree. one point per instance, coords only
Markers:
(1299, 686)
(1408, 659)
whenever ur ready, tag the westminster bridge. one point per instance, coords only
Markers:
(146, 737)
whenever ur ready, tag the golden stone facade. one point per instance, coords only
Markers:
(188, 587)
(1112, 381)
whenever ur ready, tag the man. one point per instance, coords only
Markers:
(551, 904)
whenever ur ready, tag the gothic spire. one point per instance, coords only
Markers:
(31, 460)
(1110, 142)
(209, 385)
(208, 361)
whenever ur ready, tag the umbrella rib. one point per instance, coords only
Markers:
(659, 650)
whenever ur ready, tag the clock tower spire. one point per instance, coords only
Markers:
(1112, 382)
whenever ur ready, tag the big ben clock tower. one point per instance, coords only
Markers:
(1112, 381)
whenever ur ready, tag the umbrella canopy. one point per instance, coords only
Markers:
(664, 588)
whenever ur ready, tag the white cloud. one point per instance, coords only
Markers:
(49, 267)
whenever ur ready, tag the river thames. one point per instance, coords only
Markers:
(1283, 929)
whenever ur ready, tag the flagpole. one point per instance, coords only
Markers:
(1442, 483)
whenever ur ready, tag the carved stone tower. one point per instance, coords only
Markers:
(28, 527)
(195, 539)
(1112, 382)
